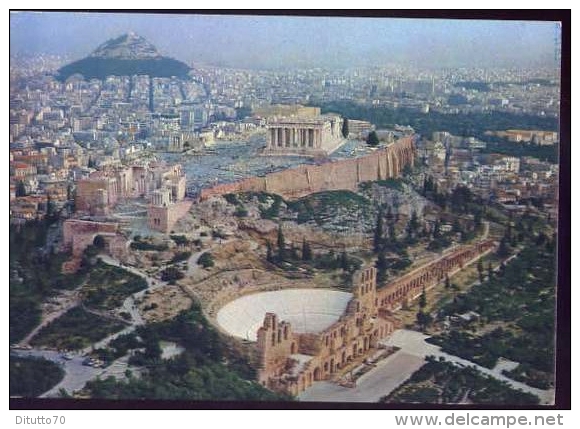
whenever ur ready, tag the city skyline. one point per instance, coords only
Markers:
(290, 42)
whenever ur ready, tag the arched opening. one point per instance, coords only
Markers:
(331, 365)
(354, 350)
(325, 366)
(273, 338)
(343, 358)
(317, 374)
(286, 332)
(99, 242)
(293, 348)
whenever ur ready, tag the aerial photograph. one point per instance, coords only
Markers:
(284, 210)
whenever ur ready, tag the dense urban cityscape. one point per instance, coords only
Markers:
(184, 231)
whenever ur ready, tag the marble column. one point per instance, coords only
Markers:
(273, 142)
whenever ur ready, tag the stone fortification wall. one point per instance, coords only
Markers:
(410, 286)
(306, 179)
(79, 234)
(164, 218)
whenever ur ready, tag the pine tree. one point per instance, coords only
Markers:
(381, 266)
(281, 242)
(480, 270)
(373, 139)
(423, 299)
(269, 252)
(423, 319)
(344, 261)
(437, 230)
(306, 251)
(503, 249)
(345, 131)
(20, 189)
(378, 236)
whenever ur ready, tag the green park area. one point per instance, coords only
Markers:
(76, 329)
(441, 382)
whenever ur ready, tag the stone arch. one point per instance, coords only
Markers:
(316, 374)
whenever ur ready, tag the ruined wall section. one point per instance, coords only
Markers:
(307, 179)
(353, 336)
(276, 343)
(163, 219)
(410, 286)
(79, 234)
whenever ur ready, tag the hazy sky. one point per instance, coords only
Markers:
(287, 42)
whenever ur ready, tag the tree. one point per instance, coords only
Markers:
(423, 319)
(381, 266)
(503, 249)
(378, 236)
(206, 260)
(345, 128)
(344, 261)
(170, 274)
(373, 139)
(437, 230)
(390, 217)
(20, 189)
(281, 242)
(477, 218)
(480, 270)
(269, 252)
(423, 299)
(392, 233)
(306, 251)
(412, 225)
(489, 272)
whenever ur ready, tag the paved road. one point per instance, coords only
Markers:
(397, 368)
(413, 343)
(76, 374)
(372, 386)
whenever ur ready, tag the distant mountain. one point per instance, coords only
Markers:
(126, 55)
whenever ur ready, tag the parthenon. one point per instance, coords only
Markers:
(317, 136)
